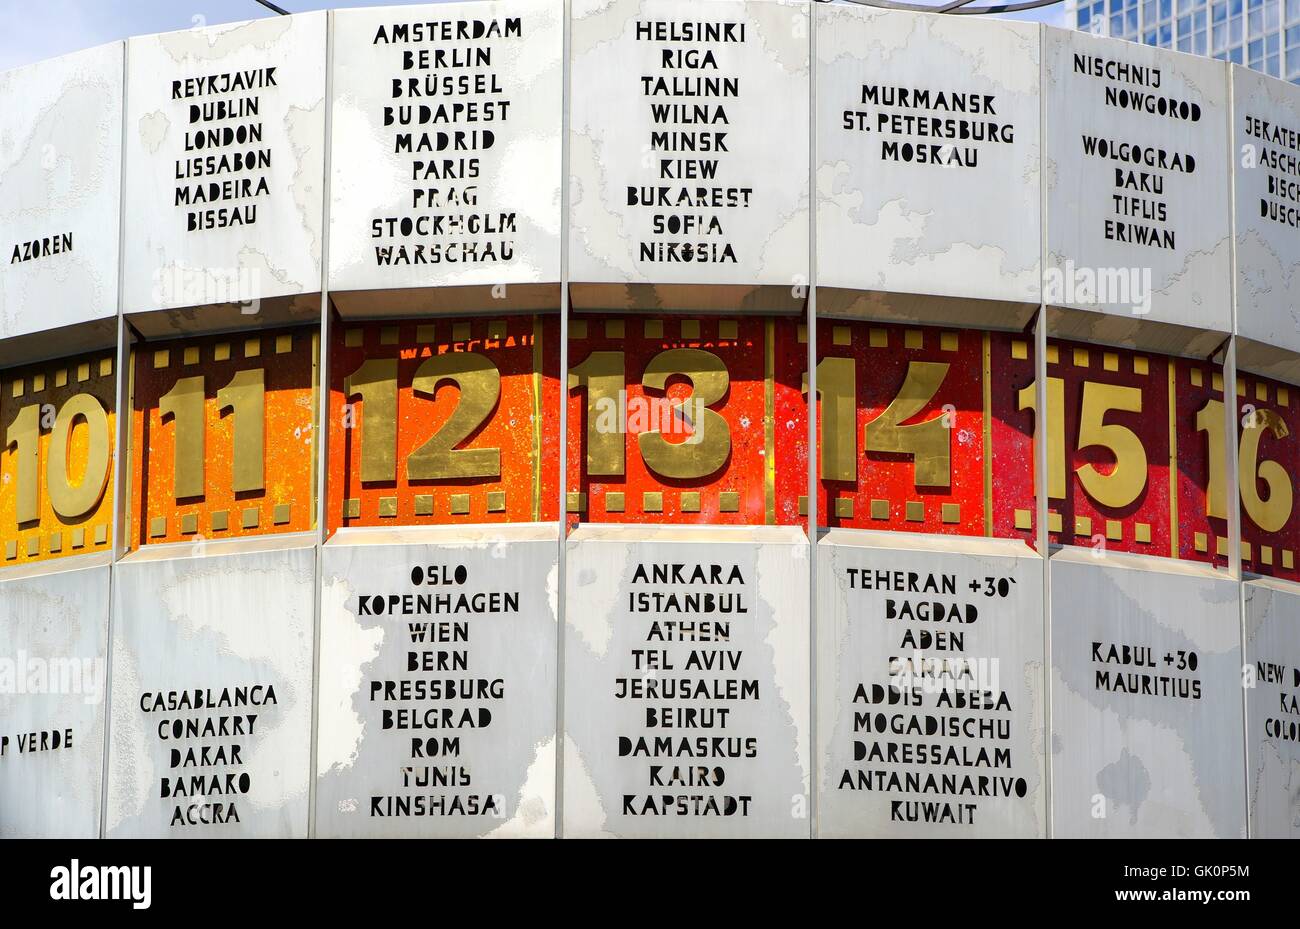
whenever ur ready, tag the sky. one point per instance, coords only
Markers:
(31, 30)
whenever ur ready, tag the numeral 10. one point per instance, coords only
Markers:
(68, 500)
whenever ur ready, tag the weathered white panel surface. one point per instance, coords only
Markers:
(1136, 162)
(437, 715)
(686, 703)
(1266, 133)
(53, 667)
(212, 690)
(225, 149)
(689, 138)
(446, 145)
(1146, 699)
(1272, 708)
(930, 668)
(928, 148)
(60, 184)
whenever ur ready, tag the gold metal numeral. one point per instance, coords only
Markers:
(376, 382)
(1128, 478)
(602, 375)
(184, 403)
(25, 433)
(1209, 419)
(837, 388)
(71, 501)
(479, 383)
(930, 442)
(245, 397)
(1027, 400)
(710, 443)
(1269, 513)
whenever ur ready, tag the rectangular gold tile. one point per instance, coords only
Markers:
(802, 333)
(1196, 377)
(426, 333)
(915, 511)
(1054, 522)
(1288, 559)
(948, 341)
(157, 527)
(251, 518)
(1265, 554)
(252, 347)
(496, 501)
(38, 383)
(844, 507)
(577, 328)
(880, 509)
(1114, 530)
(1216, 382)
(690, 501)
(106, 367)
(221, 351)
(33, 546)
(614, 329)
(1081, 358)
(424, 504)
(352, 508)
(61, 377)
(1283, 396)
(950, 513)
(913, 338)
(1110, 361)
(1024, 519)
(841, 335)
(1245, 550)
(878, 338)
(19, 388)
(190, 355)
(352, 338)
(614, 501)
(497, 329)
(162, 358)
(1200, 542)
(690, 329)
(459, 504)
(1241, 388)
(284, 343)
(78, 538)
(653, 328)
(11, 549)
(1220, 545)
(1142, 533)
(652, 501)
(280, 515)
(1053, 354)
(461, 332)
(1141, 365)
(1261, 391)
(387, 507)
(729, 502)
(803, 505)
(575, 502)
(220, 520)
(1083, 525)
(1019, 349)
(56, 542)
(729, 330)
(189, 523)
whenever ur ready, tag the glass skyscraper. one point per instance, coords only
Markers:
(1262, 34)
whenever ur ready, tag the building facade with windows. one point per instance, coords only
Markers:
(1260, 34)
